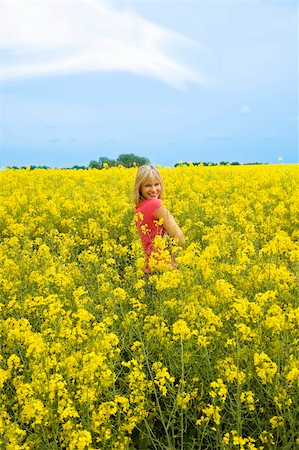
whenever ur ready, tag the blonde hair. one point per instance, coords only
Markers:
(144, 173)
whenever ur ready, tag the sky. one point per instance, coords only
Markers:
(170, 80)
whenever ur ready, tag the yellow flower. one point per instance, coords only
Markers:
(277, 421)
(219, 390)
(211, 412)
(230, 372)
(247, 397)
(80, 440)
(183, 399)
(266, 369)
(161, 377)
(96, 353)
(181, 330)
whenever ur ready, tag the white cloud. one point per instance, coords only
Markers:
(245, 109)
(44, 38)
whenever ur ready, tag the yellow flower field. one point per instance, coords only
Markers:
(96, 356)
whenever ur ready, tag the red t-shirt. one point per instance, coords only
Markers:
(146, 221)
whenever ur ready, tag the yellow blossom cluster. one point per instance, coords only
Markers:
(97, 355)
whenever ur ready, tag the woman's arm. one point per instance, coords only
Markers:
(170, 224)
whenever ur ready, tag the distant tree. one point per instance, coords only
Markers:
(131, 160)
(94, 164)
(79, 167)
(109, 162)
(125, 159)
(101, 161)
(27, 167)
(39, 167)
(209, 163)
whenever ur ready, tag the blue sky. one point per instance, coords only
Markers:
(172, 80)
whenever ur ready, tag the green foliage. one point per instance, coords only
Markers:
(30, 167)
(76, 167)
(130, 160)
(103, 160)
(221, 163)
(124, 159)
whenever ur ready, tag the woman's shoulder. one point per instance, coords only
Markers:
(150, 203)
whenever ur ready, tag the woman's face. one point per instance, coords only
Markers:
(151, 188)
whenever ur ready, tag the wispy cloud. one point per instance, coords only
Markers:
(245, 110)
(45, 38)
(54, 140)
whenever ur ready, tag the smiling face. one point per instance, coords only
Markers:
(148, 184)
(151, 188)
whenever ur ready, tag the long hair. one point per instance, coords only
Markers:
(144, 173)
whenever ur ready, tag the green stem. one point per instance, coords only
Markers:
(182, 379)
(169, 443)
(239, 414)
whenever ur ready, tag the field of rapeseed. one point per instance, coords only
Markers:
(94, 356)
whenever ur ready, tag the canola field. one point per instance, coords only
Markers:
(94, 355)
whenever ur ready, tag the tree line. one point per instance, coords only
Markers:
(125, 159)
(131, 160)
(221, 163)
